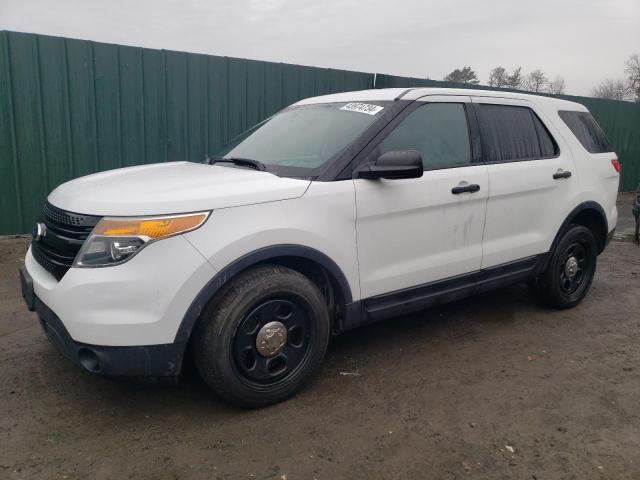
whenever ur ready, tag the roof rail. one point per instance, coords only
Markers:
(403, 94)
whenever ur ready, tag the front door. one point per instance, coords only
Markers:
(412, 232)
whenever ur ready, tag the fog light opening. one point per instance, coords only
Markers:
(89, 360)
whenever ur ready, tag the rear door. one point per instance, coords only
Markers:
(531, 179)
(416, 231)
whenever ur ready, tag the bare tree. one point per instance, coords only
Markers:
(536, 81)
(612, 89)
(463, 75)
(515, 79)
(498, 77)
(632, 70)
(556, 86)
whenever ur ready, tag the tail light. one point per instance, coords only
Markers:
(616, 164)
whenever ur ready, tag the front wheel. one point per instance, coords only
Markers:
(571, 268)
(262, 337)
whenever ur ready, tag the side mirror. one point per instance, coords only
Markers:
(394, 165)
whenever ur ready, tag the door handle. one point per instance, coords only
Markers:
(471, 188)
(561, 174)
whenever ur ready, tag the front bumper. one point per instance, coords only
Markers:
(140, 302)
(150, 362)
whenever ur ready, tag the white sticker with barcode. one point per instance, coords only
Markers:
(362, 108)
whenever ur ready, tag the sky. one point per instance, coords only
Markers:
(584, 41)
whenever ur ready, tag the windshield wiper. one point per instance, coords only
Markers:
(241, 162)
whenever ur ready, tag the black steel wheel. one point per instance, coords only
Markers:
(272, 340)
(262, 336)
(574, 268)
(570, 270)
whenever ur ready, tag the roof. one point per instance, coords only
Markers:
(390, 94)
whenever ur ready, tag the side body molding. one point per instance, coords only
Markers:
(248, 260)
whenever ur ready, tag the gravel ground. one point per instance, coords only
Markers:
(491, 387)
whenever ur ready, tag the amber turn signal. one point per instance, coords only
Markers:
(153, 228)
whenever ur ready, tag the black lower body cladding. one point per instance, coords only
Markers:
(161, 363)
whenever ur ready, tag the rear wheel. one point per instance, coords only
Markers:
(571, 268)
(262, 337)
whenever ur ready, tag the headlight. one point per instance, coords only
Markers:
(116, 240)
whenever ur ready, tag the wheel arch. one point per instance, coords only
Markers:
(306, 260)
(590, 215)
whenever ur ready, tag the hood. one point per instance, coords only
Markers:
(174, 187)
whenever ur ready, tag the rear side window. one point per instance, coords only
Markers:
(438, 131)
(511, 133)
(587, 130)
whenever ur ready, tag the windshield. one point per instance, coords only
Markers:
(300, 140)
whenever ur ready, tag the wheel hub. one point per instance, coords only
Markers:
(271, 338)
(571, 267)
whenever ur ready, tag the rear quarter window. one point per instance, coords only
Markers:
(513, 133)
(586, 130)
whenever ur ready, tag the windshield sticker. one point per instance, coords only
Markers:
(362, 108)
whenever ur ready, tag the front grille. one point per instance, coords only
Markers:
(65, 234)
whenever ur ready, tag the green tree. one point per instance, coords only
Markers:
(463, 75)
(515, 79)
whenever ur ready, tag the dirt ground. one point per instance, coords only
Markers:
(626, 226)
(491, 387)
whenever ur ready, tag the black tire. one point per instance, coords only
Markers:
(556, 286)
(224, 342)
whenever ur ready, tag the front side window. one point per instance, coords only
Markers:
(586, 130)
(511, 133)
(300, 140)
(438, 131)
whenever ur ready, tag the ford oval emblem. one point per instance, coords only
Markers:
(39, 231)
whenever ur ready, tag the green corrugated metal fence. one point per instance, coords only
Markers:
(73, 107)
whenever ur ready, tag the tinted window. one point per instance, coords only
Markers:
(587, 130)
(513, 133)
(438, 131)
(548, 147)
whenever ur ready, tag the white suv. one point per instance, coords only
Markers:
(338, 211)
